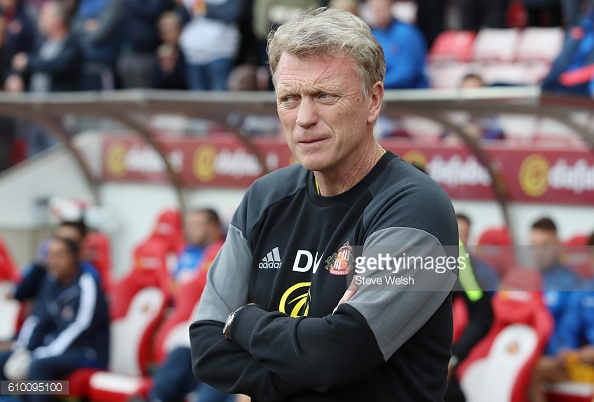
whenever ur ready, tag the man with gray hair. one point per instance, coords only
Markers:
(283, 316)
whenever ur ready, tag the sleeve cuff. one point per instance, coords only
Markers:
(244, 324)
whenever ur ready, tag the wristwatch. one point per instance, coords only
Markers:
(227, 327)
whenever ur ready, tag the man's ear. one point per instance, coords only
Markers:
(376, 95)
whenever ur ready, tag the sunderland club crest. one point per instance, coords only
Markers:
(341, 263)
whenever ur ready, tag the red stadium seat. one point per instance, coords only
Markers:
(495, 246)
(452, 46)
(169, 229)
(577, 255)
(174, 330)
(499, 367)
(571, 392)
(96, 249)
(460, 313)
(495, 45)
(137, 305)
(154, 254)
(9, 270)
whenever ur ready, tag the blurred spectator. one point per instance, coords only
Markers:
(573, 341)
(69, 327)
(476, 297)
(577, 53)
(558, 279)
(203, 228)
(55, 64)
(141, 39)
(210, 42)
(404, 47)
(169, 65)
(484, 126)
(484, 272)
(477, 14)
(269, 15)
(97, 26)
(20, 29)
(5, 56)
(543, 13)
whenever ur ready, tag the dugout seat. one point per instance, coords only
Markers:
(174, 331)
(460, 313)
(96, 250)
(169, 229)
(9, 270)
(495, 246)
(10, 310)
(577, 255)
(499, 367)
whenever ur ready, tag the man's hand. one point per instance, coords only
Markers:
(350, 292)
(19, 61)
(585, 354)
(564, 356)
(14, 83)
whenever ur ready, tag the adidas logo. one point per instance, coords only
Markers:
(272, 260)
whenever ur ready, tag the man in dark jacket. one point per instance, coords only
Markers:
(55, 64)
(69, 327)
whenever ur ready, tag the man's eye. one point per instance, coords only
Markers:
(326, 97)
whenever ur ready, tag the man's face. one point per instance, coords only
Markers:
(463, 230)
(545, 248)
(48, 17)
(381, 12)
(169, 30)
(199, 230)
(60, 261)
(323, 111)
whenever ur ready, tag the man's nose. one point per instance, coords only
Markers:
(307, 114)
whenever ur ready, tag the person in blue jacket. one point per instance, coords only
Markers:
(404, 47)
(558, 279)
(572, 340)
(69, 327)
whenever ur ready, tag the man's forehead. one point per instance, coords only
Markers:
(295, 71)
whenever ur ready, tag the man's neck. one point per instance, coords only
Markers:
(339, 182)
(68, 279)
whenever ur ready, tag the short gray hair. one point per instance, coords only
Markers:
(329, 32)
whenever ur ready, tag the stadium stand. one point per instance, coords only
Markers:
(501, 56)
